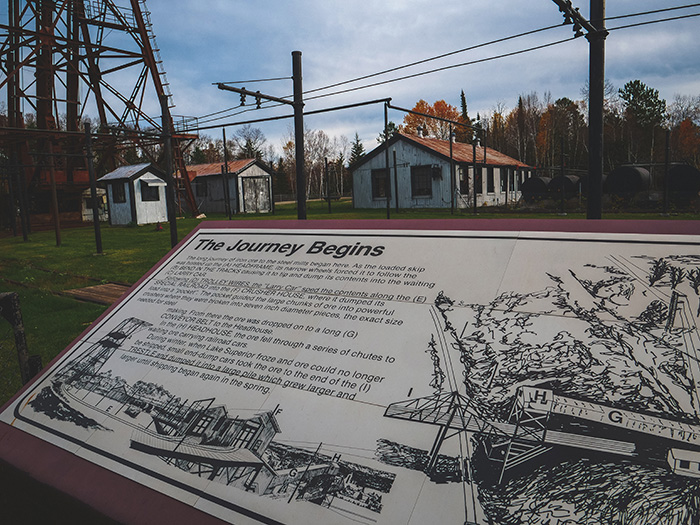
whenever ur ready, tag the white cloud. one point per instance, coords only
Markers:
(225, 40)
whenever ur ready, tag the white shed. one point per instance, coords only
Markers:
(251, 178)
(136, 195)
(420, 176)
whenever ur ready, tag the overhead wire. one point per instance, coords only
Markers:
(256, 81)
(649, 22)
(445, 68)
(462, 64)
(485, 44)
(653, 12)
(431, 59)
(503, 55)
(384, 72)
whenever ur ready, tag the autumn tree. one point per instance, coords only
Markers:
(431, 127)
(686, 142)
(561, 125)
(412, 122)
(684, 121)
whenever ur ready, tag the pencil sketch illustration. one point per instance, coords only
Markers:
(574, 403)
(234, 447)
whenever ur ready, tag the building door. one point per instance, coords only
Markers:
(256, 194)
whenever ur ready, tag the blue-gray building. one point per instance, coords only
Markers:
(421, 175)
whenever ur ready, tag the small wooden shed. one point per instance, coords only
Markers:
(248, 179)
(136, 195)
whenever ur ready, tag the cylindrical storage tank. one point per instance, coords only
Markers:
(569, 182)
(584, 183)
(627, 181)
(683, 182)
(535, 188)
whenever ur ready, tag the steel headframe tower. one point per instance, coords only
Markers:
(62, 60)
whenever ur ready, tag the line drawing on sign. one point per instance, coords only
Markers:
(233, 447)
(575, 403)
(260, 388)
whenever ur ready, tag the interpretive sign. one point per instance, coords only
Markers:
(403, 377)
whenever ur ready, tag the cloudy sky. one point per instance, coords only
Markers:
(237, 40)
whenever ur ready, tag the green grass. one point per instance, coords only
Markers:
(38, 270)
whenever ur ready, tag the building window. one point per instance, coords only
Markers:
(246, 436)
(478, 182)
(202, 424)
(379, 185)
(149, 193)
(421, 181)
(464, 181)
(684, 464)
(118, 193)
(490, 183)
(503, 177)
(201, 188)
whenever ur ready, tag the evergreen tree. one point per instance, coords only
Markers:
(464, 134)
(198, 156)
(391, 128)
(357, 150)
(643, 103)
(644, 113)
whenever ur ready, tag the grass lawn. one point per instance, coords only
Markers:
(39, 271)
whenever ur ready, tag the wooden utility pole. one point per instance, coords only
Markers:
(93, 188)
(596, 96)
(298, 104)
(169, 179)
(387, 178)
(596, 35)
(299, 134)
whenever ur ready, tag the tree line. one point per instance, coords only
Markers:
(325, 159)
(540, 130)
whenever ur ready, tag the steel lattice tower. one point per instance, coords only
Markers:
(64, 60)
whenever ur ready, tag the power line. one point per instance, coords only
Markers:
(253, 81)
(386, 71)
(655, 11)
(477, 46)
(431, 59)
(282, 117)
(424, 72)
(495, 57)
(653, 22)
(205, 120)
(471, 62)
(445, 68)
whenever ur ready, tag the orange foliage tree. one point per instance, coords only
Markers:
(431, 127)
(686, 138)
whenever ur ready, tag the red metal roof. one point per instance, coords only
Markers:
(214, 168)
(464, 152)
